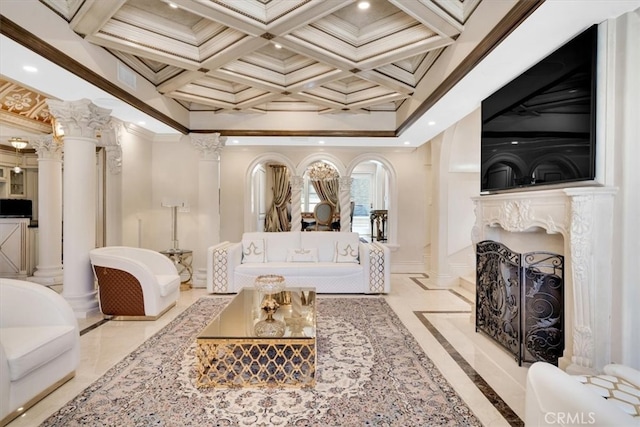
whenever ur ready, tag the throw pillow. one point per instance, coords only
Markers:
(253, 251)
(302, 255)
(346, 252)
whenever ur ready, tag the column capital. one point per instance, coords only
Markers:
(209, 144)
(345, 182)
(79, 118)
(110, 139)
(47, 147)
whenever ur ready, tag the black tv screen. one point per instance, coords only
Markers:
(539, 129)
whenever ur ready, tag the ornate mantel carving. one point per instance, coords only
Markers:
(584, 217)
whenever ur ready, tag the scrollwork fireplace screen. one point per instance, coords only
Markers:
(520, 301)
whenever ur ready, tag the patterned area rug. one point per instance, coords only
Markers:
(370, 372)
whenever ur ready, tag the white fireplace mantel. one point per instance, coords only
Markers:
(584, 217)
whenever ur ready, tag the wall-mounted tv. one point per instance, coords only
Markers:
(539, 129)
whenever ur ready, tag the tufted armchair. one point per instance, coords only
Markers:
(134, 283)
(39, 345)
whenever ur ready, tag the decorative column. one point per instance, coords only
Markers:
(345, 202)
(210, 146)
(297, 182)
(49, 269)
(80, 121)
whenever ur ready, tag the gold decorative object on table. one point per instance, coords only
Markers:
(269, 284)
(230, 353)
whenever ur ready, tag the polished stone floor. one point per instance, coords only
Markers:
(484, 375)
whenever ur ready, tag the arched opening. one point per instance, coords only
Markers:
(374, 198)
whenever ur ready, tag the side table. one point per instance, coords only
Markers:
(182, 259)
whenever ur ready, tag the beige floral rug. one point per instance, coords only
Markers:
(370, 372)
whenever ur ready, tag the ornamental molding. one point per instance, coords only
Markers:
(210, 145)
(111, 140)
(515, 215)
(47, 147)
(80, 119)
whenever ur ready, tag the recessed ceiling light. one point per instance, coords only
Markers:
(320, 142)
(514, 142)
(142, 123)
(363, 5)
(431, 123)
(30, 69)
(173, 5)
(235, 141)
(407, 142)
(278, 46)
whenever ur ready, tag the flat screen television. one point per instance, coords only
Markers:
(539, 129)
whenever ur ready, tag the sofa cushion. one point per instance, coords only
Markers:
(302, 255)
(28, 348)
(253, 250)
(279, 243)
(326, 242)
(346, 251)
(299, 269)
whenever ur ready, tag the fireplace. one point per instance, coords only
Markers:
(584, 218)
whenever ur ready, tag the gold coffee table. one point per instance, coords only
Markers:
(230, 354)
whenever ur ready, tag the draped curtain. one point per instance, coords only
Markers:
(328, 190)
(277, 218)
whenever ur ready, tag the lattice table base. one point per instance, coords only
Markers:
(256, 362)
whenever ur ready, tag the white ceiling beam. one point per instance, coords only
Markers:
(431, 16)
(94, 14)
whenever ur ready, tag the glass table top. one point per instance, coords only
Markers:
(296, 312)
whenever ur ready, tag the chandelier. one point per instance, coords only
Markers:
(320, 171)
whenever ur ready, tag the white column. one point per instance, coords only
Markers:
(49, 269)
(209, 146)
(80, 120)
(296, 202)
(345, 203)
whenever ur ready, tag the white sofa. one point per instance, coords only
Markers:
(134, 283)
(332, 262)
(39, 345)
(555, 398)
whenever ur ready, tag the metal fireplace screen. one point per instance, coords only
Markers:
(520, 302)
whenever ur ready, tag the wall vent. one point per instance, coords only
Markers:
(126, 75)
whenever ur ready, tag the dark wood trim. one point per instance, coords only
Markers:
(32, 42)
(13, 150)
(506, 26)
(303, 133)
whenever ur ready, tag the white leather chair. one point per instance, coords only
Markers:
(554, 398)
(39, 345)
(134, 283)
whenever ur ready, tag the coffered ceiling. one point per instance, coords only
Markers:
(271, 71)
(275, 55)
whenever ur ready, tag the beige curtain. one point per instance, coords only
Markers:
(328, 190)
(277, 218)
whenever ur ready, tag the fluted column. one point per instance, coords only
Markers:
(209, 146)
(345, 202)
(49, 269)
(80, 121)
(297, 182)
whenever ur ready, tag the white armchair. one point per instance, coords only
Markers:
(134, 283)
(39, 345)
(555, 398)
